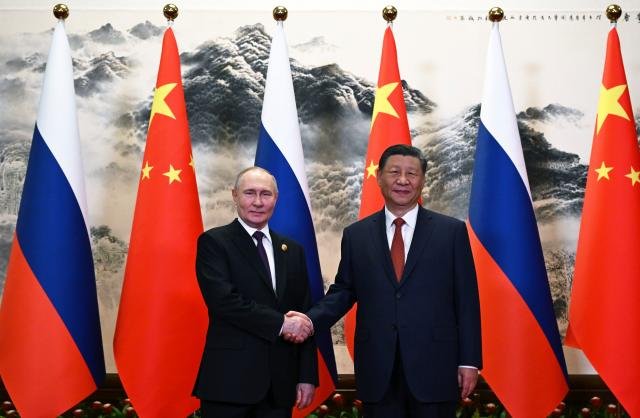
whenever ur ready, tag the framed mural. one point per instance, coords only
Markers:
(554, 59)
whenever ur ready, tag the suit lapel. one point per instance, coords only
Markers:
(279, 254)
(421, 234)
(247, 248)
(381, 245)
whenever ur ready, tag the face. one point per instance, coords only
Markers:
(255, 198)
(401, 183)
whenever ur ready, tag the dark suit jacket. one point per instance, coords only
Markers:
(432, 314)
(243, 354)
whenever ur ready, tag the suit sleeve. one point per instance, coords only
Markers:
(341, 294)
(467, 301)
(224, 300)
(308, 349)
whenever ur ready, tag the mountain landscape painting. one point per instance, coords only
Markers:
(555, 70)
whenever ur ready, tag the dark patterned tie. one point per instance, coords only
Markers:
(397, 248)
(258, 235)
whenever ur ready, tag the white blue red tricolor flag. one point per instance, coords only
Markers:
(280, 151)
(521, 349)
(50, 342)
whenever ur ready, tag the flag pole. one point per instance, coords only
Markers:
(496, 14)
(280, 13)
(613, 13)
(61, 11)
(389, 13)
(170, 11)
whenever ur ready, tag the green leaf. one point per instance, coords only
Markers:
(117, 413)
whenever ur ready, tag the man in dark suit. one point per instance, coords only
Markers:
(417, 340)
(249, 277)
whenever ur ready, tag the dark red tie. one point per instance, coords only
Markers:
(397, 248)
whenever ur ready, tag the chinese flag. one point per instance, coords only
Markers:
(162, 319)
(389, 126)
(604, 315)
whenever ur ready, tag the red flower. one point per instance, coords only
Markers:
(95, 405)
(107, 408)
(7, 406)
(596, 402)
(612, 409)
(129, 411)
(562, 406)
(556, 412)
(322, 410)
(585, 412)
(490, 408)
(357, 403)
(338, 401)
(467, 403)
(78, 413)
(12, 413)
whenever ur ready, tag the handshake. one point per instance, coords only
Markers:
(297, 327)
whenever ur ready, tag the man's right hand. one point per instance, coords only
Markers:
(297, 327)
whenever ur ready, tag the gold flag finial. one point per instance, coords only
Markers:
(280, 13)
(389, 13)
(170, 11)
(496, 14)
(61, 11)
(613, 12)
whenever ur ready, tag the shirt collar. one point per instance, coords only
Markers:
(250, 230)
(410, 218)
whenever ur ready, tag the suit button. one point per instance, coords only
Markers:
(398, 295)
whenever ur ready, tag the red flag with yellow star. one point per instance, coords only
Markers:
(162, 319)
(389, 126)
(604, 314)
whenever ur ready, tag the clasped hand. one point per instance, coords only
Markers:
(297, 327)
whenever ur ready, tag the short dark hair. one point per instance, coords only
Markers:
(403, 149)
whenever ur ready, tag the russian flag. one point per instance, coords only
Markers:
(522, 353)
(280, 151)
(50, 342)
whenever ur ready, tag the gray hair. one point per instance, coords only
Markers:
(255, 168)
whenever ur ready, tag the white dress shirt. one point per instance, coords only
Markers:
(267, 243)
(407, 229)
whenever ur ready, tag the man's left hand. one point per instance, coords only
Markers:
(304, 394)
(299, 332)
(467, 379)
